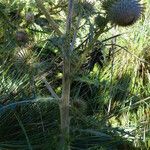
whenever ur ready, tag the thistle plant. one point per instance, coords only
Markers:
(80, 93)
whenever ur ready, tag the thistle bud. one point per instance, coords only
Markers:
(29, 17)
(21, 36)
(100, 21)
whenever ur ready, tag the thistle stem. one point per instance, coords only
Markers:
(64, 104)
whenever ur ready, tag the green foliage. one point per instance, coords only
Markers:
(110, 80)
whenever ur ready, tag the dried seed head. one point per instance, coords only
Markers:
(24, 58)
(123, 12)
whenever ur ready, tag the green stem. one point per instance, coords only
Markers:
(64, 104)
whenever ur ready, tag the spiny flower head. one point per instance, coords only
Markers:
(123, 12)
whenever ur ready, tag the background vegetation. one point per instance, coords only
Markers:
(110, 77)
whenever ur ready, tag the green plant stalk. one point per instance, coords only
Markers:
(64, 105)
(66, 82)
